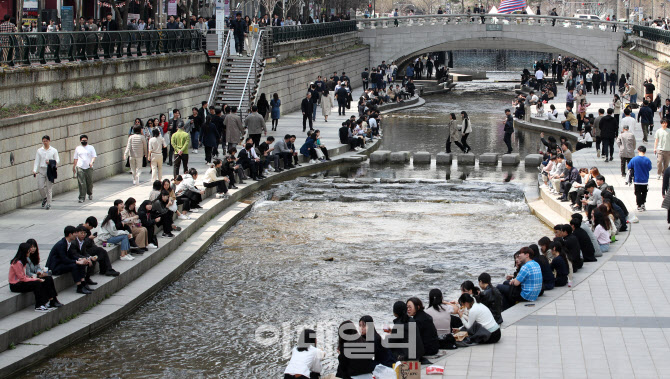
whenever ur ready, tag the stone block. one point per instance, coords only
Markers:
(533, 160)
(488, 159)
(443, 158)
(468, 159)
(400, 157)
(380, 156)
(510, 159)
(421, 157)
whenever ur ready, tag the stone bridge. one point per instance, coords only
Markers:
(399, 39)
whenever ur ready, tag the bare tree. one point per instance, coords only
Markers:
(288, 5)
(269, 5)
(427, 6)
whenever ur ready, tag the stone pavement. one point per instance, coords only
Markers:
(47, 226)
(614, 324)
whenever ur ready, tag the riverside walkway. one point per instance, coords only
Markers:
(613, 323)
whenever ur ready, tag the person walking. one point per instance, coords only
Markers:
(156, 145)
(135, 153)
(454, 133)
(509, 130)
(240, 30)
(44, 169)
(234, 128)
(326, 104)
(307, 108)
(82, 166)
(662, 148)
(466, 129)
(626, 143)
(641, 166)
(608, 131)
(180, 142)
(275, 112)
(646, 118)
(255, 125)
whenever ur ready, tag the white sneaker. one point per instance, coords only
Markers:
(219, 195)
(312, 161)
(42, 308)
(194, 210)
(658, 177)
(195, 151)
(126, 257)
(152, 246)
(182, 217)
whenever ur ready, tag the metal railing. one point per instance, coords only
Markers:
(491, 19)
(652, 34)
(219, 70)
(252, 66)
(43, 48)
(299, 32)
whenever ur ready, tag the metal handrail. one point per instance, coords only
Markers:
(652, 34)
(38, 47)
(477, 17)
(219, 70)
(299, 32)
(251, 65)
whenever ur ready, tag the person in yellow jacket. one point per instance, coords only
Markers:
(570, 119)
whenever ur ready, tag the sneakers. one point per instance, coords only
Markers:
(639, 209)
(220, 195)
(644, 208)
(42, 308)
(48, 206)
(127, 257)
(169, 235)
(312, 161)
(90, 197)
(152, 246)
(195, 151)
(658, 177)
(183, 217)
(55, 304)
(194, 210)
(81, 200)
(44, 202)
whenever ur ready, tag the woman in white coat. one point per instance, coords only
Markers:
(326, 104)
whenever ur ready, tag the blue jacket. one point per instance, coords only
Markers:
(641, 166)
(309, 144)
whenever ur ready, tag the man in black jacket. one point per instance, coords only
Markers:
(571, 176)
(240, 29)
(491, 297)
(341, 95)
(584, 240)
(509, 130)
(77, 251)
(245, 159)
(564, 232)
(59, 262)
(91, 249)
(307, 108)
(608, 132)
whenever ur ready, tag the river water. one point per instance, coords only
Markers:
(319, 250)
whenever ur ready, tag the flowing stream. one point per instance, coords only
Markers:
(319, 250)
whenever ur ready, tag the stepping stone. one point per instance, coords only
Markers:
(488, 159)
(421, 157)
(510, 159)
(365, 180)
(468, 159)
(400, 157)
(380, 156)
(340, 180)
(533, 160)
(444, 158)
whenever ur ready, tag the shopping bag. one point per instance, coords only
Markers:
(407, 370)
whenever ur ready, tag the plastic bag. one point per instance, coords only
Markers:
(383, 372)
(632, 218)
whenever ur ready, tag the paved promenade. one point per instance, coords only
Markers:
(613, 324)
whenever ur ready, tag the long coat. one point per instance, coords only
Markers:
(326, 104)
(234, 128)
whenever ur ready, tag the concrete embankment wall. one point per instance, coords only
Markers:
(291, 82)
(640, 70)
(307, 47)
(72, 80)
(106, 124)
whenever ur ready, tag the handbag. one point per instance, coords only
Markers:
(666, 201)
(319, 153)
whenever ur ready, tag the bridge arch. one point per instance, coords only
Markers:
(595, 43)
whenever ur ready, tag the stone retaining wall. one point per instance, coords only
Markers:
(312, 46)
(290, 82)
(640, 70)
(106, 124)
(25, 85)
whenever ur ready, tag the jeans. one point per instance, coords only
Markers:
(121, 240)
(195, 136)
(567, 125)
(314, 112)
(85, 182)
(608, 145)
(633, 98)
(605, 248)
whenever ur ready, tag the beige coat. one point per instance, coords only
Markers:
(326, 104)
